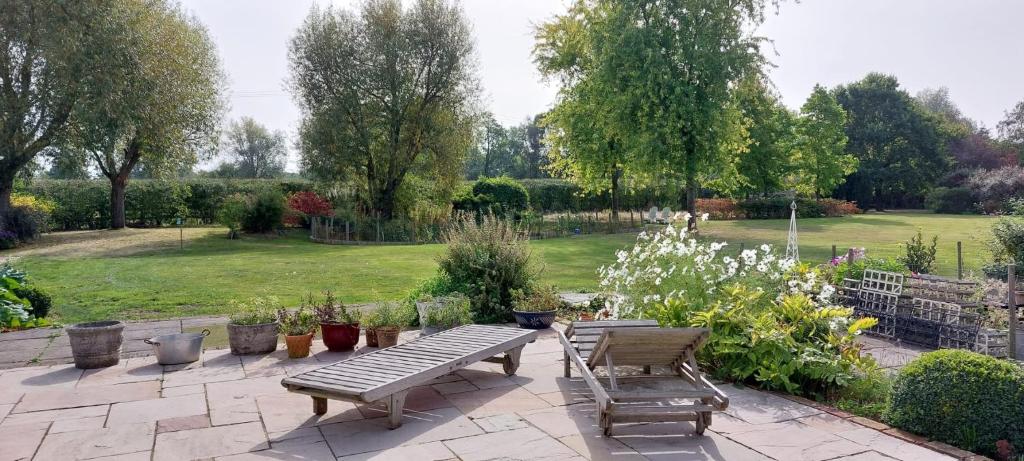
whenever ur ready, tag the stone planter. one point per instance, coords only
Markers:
(387, 336)
(252, 339)
(298, 346)
(534, 320)
(340, 337)
(96, 344)
(371, 337)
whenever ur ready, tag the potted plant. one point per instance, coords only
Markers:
(370, 328)
(537, 308)
(252, 328)
(387, 320)
(338, 327)
(451, 312)
(297, 327)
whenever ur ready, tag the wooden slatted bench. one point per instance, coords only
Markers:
(387, 374)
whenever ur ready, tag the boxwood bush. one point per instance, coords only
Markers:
(961, 398)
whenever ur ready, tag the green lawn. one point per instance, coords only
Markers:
(131, 275)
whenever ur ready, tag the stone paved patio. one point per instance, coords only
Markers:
(233, 408)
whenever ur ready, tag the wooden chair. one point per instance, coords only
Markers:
(684, 396)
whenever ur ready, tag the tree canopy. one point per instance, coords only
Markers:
(255, 151)
(385, 92)
(820, 160)
(900, 146)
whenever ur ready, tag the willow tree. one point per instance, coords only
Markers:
(666, 69)
(163, 106)
(385, 92)
(49, 53)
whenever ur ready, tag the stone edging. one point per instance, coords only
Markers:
(915, 439)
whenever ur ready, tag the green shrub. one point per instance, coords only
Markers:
(453, 311)
(919, 256)
(486, 260)
(953, 200)
(40, 301)
(156, 203)
(231, 214)
(255, 311)
(23, 222)
(500, 196)
(961, 398)
(264, 212)
(844, 270)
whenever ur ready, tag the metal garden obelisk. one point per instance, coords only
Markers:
(792, 247)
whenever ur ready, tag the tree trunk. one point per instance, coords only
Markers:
(615, 193)
(118, 185)
(691, 203)
(6, 187)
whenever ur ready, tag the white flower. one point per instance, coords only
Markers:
(704, 217)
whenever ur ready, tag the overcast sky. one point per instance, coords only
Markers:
(973, 47)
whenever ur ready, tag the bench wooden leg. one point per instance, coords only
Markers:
(511, 362)
(568, 365)
(395, 402)
(319, 405)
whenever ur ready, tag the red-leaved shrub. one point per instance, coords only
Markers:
(304, 205)
(719, 208)
(834, 208)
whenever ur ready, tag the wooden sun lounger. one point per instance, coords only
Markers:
(388, 374)
(641, 343)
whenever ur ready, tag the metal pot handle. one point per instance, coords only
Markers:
(150, 341)
(206, 332)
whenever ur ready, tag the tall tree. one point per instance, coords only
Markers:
(1011, 128)
(50, 52)
(384, 91)
(67, 163)
(771, 129)
(162, 108)
(536, 150)
(899, 145)
(669, 66)
(256, 151)
(820, 159)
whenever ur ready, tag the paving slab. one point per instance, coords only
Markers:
(182, 423)
(289, 411)
(433, 451)
(20, 442)
(79, 424)
(490, 402)
(210, 442)
(792, 440)
(15, 383)
(97, 443)
(757, 407)
(55, 415)
(306, 452)
(527, 443)
(156, 409)
(363, 436)
(891, 446)
(87, 396)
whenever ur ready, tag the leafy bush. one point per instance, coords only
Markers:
(38, 299)
(1006, 245)
(779, 208)
(866, 395)
(841, 269)
(21, 305)
(23, 223)
(8, 239)
(390, 314)
(719, 208)
(499, 196)
(39, 208)
(155, 203)
(486, 260)
(231, 214)
(992, 188)
(962, 398)
(263, 212)
(255, 311)
(952, 200)
(773, 321)
(919, 257)
(332, 310)
(834, 208)
(305, 205)
(454, 311)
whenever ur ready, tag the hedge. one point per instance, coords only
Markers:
(962, 398)
(85, 204)
(954, 200)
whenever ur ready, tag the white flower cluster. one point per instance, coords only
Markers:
(670, 264)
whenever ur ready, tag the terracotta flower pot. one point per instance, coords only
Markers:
(298, 346)
(371, 337)
(387, 336)
(586, 316)
(340, 336)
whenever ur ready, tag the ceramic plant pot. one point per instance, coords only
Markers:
(340, 336)
(252, 339)
(298, 346)
(96, 344)
(534, 320)
(387, 336)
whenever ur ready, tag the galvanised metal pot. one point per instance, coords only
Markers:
(177, 348)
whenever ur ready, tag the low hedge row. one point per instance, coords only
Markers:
(85, 204)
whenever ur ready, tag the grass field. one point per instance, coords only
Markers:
(136, 273)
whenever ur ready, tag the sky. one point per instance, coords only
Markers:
(973, 47)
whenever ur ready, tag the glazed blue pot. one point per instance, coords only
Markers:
(534, 320)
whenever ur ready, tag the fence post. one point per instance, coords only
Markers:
(347, 232)
(959, 260)
(1011, 309)
(833, 252)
